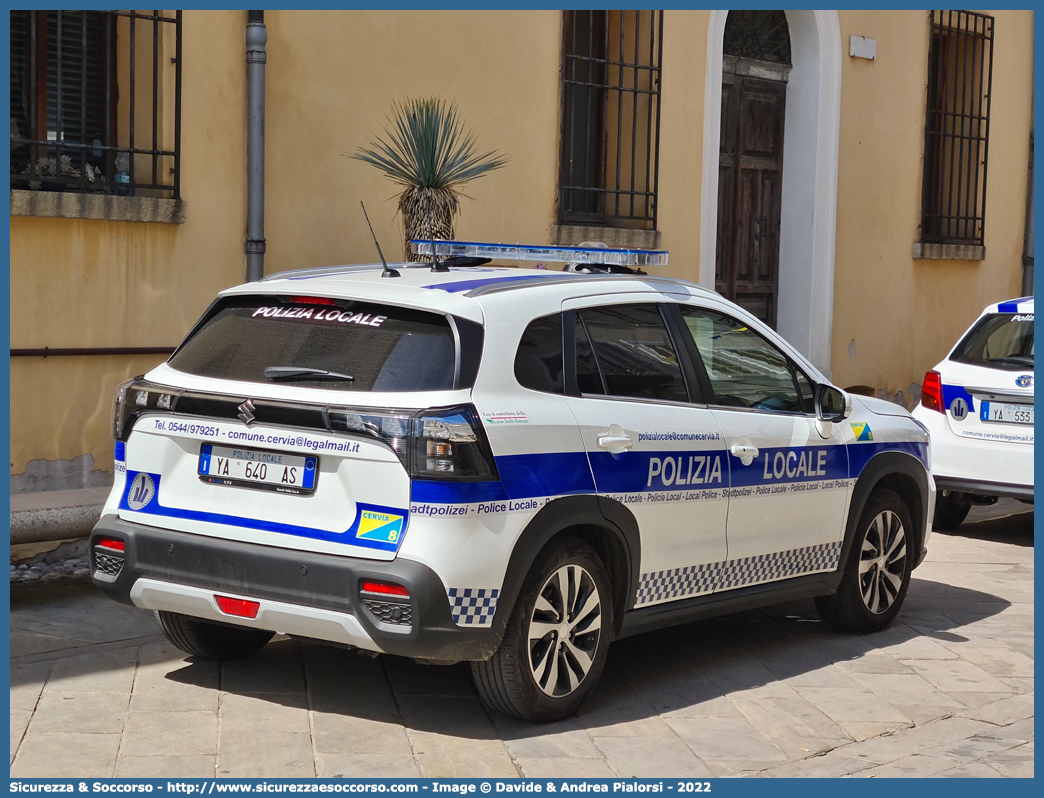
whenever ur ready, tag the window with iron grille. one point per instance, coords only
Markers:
(96, 102)
(957, 128)
(610, 118)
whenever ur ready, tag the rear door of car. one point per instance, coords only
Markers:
(650, 445)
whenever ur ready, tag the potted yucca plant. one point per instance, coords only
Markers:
(427, 151)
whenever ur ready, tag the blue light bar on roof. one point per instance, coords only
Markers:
(593, 255)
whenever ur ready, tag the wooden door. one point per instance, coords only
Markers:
(750, 177)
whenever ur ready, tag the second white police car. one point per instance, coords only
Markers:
(978, 407)
(505, 466)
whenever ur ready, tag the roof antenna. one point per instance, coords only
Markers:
(387, 272)
(435, 265)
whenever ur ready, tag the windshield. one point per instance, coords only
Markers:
(1000, 340)
(331, 344)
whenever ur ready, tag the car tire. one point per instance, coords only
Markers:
(546, 677)
(219, 641)
(949, 512)
(877, 573)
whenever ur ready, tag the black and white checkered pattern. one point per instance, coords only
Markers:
(678, 582)
(472, 606)
(695, 579)
(779, 564)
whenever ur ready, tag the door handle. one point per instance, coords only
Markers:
(615, 442)
(746, 454)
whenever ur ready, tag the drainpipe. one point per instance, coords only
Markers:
(1027, 244)
(256, 38)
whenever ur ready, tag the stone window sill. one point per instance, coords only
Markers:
(924, 251)
(617, 237)
(97, 206)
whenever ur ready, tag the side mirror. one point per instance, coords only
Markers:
(832, 404)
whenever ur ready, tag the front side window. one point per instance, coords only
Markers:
(1000, 341)
(633, 352)
(361, 345)
(744, 369)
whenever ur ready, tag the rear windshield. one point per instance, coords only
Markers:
(362, 346)
(1000, 340)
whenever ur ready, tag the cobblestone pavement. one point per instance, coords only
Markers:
(946, 691)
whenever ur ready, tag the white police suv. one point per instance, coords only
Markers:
(978, 407)
(505, 466)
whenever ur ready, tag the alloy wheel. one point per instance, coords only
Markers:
(564, 630)
(882, 562)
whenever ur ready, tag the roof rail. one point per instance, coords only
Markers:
(579, 277)
(323, 271)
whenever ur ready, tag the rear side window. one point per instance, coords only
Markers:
(634, 352)
(1000, 340)
(538, 361)
(380, 347)
(588, 378)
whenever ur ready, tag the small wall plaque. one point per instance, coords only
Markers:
(860, 47)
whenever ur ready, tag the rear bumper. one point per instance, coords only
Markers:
(982, 488)
(955, 457)
(300, 593)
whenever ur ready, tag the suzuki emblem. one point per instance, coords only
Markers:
(246, 411)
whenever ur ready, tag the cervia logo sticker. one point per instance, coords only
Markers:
(958, 409)
(1024, 380)
(141, 491)
(862, 431)
(384, 527)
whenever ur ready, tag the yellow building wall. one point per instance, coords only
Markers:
(90, 283)
(681, 140)
(330, 80)
(905, 314)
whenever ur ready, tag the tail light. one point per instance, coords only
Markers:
(450, 444)
(387, 602)
(391, 427)
(136, 397)
(385, 589)
(109, 556)
(437, 444)
(931, 392)
(311, 300)
(241, 608)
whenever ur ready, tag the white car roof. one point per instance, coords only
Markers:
(482, 293)
(459, 291)
(1021, 305)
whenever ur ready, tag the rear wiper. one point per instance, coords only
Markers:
(289, 373)
(1022, 360)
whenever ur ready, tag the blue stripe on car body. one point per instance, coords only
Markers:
(568, 473)
(347, 537)
(467, 285)
(951, 392)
